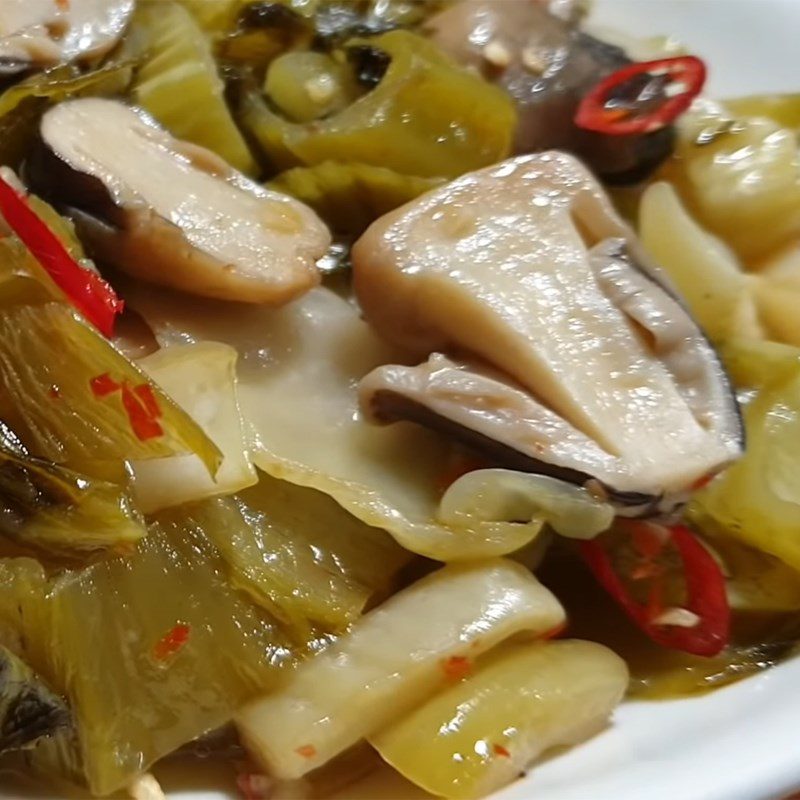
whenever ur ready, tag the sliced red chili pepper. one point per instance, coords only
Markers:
(642, 97)
(86, 290)
(640, 593)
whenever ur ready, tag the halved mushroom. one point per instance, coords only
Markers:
(43, 33)
(171, 212)
(583, 365)
(547, 64)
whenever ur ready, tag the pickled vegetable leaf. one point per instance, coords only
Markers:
(82, 403)
(46, 506)
(178, 83)
(296, 553)
(426, 117)
(173, 648)
(349, 196)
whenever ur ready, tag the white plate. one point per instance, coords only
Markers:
(741, 742)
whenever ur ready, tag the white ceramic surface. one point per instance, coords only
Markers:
(742, 742)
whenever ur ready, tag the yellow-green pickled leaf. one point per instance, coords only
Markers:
(179, 84)
(296, 553)
(46, 506)
(345, 549)
(49, 358)
(351, 196)
(427, 117)
(151, 650)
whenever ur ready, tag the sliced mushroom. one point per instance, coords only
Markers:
(593, 369)
(43, 33)
(171, 212)
(546, 64)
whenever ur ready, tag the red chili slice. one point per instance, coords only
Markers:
(86, 290)
(660, 553)
(606, 109)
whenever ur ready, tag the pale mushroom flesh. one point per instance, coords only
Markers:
(45, 33)
(580, 363)
(173, 213)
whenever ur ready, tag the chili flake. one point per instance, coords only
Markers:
(103, 385)
(306, 751)
(499, 750)
(172, 642)
(144, 423)
(456, 668)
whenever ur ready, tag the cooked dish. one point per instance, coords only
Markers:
(400, 381)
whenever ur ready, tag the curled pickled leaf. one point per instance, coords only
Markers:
(350, 196)
(178, 83)
(29, 710)
(479, 734)
(519, 498)
(306, 85)
(389, 663)
(46, 506)
(425, 117)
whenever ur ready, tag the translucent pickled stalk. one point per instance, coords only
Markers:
(82, 403)
(478, 735)
(201, 378)
(179, 84)
(392, 659)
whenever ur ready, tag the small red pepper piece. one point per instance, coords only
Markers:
(456, 668)
(140, 414)
(103, 385)
(86, 290)
(604, 108)
(172, 641)
(501, 751)
(306, 751)
(704, 585)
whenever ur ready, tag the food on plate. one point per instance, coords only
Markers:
(43, 33)
(526, 266)
(174, 213)
(399, 382)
